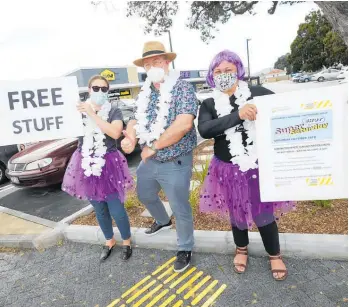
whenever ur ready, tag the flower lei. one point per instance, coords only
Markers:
(93, 148)
(158, 127)
(244, 157)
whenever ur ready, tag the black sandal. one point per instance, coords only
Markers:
(106, 251)
(240, 251)
(273, 258)
(126, 252)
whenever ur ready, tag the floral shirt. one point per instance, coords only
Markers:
(183, 101)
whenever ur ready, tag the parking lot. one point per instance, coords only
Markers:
(53, 204)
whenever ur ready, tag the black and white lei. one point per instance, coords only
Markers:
(245, 157)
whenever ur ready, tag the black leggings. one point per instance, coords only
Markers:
(269, 234)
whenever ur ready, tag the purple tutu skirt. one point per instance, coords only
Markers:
(229, 192)
(113, 183)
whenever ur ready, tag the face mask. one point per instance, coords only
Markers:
(156, 74)
(225, 81)
(99, 97)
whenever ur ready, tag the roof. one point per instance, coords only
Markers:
(275, 71)
(99, 68)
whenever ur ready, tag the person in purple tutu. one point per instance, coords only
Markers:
(231, 187)
(97, 171)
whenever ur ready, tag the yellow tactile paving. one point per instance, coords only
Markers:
(166, 288)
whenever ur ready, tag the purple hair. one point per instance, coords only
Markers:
(229, 56)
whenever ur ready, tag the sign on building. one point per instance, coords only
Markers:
(203, 73)
(185, 74)
(108, 74)
(38, 110)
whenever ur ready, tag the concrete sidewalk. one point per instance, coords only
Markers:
(71, 275)
(12, 225)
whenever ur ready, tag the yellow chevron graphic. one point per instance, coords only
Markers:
(165, 288)
(319, 181)
(317, 105)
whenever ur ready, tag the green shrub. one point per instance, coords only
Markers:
(323, 203)
(200, 172)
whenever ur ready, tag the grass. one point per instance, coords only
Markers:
(200, 173)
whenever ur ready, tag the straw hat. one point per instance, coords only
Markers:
(152, 49)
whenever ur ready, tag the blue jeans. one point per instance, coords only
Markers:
(105, 210)
(174, 178)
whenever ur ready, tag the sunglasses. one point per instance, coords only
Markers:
(97, 88)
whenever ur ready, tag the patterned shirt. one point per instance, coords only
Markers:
(183, 101)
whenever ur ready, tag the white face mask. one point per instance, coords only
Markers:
(99, 98)
(156, 74)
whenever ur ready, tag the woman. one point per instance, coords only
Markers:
(231, 185)
(97, 171)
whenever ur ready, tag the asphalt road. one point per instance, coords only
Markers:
(53, 204)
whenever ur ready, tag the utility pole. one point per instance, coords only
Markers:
(169, 36)
(248, 59)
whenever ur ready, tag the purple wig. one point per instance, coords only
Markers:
(230, 57)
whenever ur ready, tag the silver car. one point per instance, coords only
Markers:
(327, 74)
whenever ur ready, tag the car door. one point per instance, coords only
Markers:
(334, 73)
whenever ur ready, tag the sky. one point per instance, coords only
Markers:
(49, 38)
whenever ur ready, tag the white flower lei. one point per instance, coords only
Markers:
(245, 157)
(93, 148)
(158, 127)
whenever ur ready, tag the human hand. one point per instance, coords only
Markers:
(86, 108)
(147, 152)
(128, 144)
(248, 111)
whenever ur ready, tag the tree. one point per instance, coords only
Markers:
(316, 45)
(283, 62)
(206, 15)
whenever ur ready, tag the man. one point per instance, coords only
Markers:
(163, 123)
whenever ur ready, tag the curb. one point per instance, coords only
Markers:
(293, 245)
(84, 211)
(17, 241)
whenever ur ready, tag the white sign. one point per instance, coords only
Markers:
(203, 73)
(302, 144)
(38, 110)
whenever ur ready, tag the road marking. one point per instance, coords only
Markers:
(189, 283)
(164, 266)
(179, 280)
(9, 187)
(168, 301)
(167, 272)
(158, 298)
(138, 293)
(136, 286)
(160, 287)
(197, 287)
(214, 296)
(149, 295)
(204, 293)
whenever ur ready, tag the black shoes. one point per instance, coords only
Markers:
(182, 262)
(156, 228)
(106, 251)
(126, 252)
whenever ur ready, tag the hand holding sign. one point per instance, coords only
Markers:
(128, 144)
(85, 108)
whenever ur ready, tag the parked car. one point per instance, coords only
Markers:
(44, 163)
(343, 74)
(304, 78)
(326, 74)
(296, 77)
(6, 152)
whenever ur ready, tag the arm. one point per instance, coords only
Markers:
(112, 129)
(209, 127)
(178, 129)
(130, 129)
(186, 110)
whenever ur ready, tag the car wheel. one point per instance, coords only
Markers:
(2, 174)
(321, 79)
(306, 80)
